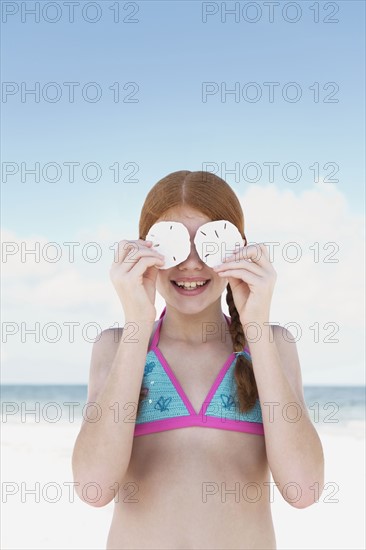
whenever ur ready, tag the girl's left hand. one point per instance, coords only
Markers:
(252, 278)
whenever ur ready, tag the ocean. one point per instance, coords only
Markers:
(328, 406)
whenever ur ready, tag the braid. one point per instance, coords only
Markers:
(244, 374)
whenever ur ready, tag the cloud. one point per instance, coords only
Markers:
(309, 293)
(323, 292)
(328, 276)
(71, 282)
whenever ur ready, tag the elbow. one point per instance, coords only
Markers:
(100, 503)
(307, 494)
(94, 493)
(91, 493)
(308, 490)
(302, 503)
(92, 489)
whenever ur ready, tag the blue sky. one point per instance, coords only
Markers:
(169, 53)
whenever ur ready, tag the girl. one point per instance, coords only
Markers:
(194, 411)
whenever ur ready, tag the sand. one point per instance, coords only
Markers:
(55, 518)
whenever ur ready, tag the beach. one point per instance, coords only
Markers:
(40, 510)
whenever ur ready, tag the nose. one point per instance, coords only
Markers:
(193, 260)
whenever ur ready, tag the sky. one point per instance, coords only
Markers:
(270, 97)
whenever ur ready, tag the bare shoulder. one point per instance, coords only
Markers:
(104, 350)
(287, 350)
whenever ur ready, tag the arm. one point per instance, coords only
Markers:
(294, 450)
(103, 448)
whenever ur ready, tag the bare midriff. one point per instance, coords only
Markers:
(194, 488)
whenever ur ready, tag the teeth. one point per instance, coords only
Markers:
(190, 285)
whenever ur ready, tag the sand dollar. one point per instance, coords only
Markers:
(214, 241)
(172, 240)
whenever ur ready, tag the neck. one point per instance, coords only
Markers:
(195, 328)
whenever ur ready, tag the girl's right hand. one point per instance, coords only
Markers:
(133, 274)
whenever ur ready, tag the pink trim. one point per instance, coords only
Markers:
(174, 381)
(217, 382)
(156, 336)
(208, 422)
(200, 418)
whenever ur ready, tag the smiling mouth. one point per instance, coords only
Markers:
(190, 285)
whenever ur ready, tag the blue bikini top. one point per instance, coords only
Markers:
(166, 406)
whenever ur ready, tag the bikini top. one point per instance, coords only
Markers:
(166, 406)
